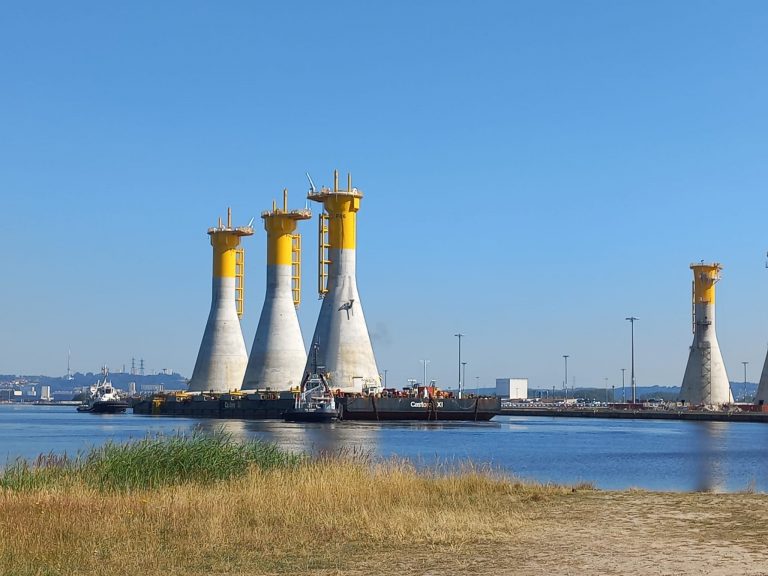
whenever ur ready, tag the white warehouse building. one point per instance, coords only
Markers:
(512, 388)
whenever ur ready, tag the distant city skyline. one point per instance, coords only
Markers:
(533, 174)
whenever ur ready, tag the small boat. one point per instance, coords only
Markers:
(103, 398)
(314, 400)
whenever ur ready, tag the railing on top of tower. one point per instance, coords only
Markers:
(239, 230)
(324, 192)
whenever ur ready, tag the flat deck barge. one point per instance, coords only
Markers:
(269, 405)
(647, 414)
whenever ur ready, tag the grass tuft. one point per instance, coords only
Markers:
(149, 463)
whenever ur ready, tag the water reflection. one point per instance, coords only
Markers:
(709, 453)
(314, 438)
(616, 454)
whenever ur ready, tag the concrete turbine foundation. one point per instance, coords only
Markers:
(278, 354)
(705, 381)
(222, 357)
(344, 345)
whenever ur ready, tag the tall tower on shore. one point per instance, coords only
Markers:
(278, 354)
(344, 346)
(222, 357)
(761, 397)
(705, 380)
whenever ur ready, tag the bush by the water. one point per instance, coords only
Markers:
(150, 463)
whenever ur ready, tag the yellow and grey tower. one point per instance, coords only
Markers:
(278, 354)
(705, 380)
(344, 345)
(222, 357)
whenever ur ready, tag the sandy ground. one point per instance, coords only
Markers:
(608, 533)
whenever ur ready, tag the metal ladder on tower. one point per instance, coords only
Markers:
(706, 372)
(296, 269)
(239, 281)
(324, 261)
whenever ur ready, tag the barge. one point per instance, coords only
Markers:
(274, 405)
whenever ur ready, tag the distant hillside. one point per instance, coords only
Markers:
(121, 380)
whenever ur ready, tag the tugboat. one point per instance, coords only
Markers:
(314, 400)
(103, 398)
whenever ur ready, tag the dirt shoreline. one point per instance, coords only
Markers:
(608, 533)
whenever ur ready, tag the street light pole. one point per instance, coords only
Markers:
(459, 335)
(385, 378)
(623, 395)
(632, 323)
(606, 390)
(463, 376)
(565, 382)
(745, 380)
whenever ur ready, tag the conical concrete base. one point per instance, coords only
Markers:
(278, 354)
(705, 380)
(222, 357)
(762, 389)
(344, 346)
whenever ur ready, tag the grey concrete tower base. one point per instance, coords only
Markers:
(278, 354)
(705, 380)
(344, 345)
(762, 389)
(222, 357)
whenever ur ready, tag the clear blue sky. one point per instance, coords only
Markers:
(534, 172)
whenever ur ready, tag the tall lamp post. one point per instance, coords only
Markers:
(744, 397)
(463, 376)
(623, 395)
(632, 324)
(459, 335)
(565, 382)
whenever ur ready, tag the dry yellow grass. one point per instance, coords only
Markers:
(355, 518)
(323, 515)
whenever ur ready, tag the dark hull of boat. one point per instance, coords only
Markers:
(310, 416)
(388, 408)
(250, 408)
(363, 408)
(107, 407)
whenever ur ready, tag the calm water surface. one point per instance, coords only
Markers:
(611, 454)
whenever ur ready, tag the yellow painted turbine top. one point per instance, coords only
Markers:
(280, 225)
(342, 207)
(225, 240)
(705, 276)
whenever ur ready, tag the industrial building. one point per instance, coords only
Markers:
(512, 388)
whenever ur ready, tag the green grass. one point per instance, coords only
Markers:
(149, 463)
